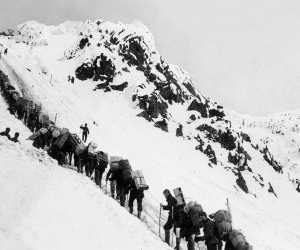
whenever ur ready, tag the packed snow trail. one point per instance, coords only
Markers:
(48, 207)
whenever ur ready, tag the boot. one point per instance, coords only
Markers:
(167, 236)
(139, 214)
(177, 247)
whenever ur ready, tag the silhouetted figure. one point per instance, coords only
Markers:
(5, 133)
(85, 132)
(15, 138)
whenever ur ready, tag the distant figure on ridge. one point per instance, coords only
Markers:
(85, 132)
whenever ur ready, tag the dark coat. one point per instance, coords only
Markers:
(171, 206)
(85, 130)
(187, 227)
(210, 233)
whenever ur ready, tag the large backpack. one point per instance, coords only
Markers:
(102, 156)
(223, 221)
(179, 196)
(61, 140)
(239, 241)
(195, 212)
(126, 171)
(92, 146)
(139, 180)
(114, 163)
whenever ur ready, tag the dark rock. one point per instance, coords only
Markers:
(199, 107)
(120, 87)
(240, 181)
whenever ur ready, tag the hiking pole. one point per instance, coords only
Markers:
(159, 220)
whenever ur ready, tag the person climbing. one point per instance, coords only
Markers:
(179, 131)
(187, 231)
(5, 133)
(85, 132)
(112, 176)
(100, 168)
(15, 138)
(210, 237)
(171, 207)
(135, 194)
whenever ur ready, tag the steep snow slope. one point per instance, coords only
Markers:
(40, 71)
(44, 206)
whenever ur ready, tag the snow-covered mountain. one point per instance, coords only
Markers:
(135, 101)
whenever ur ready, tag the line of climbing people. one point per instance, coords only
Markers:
(67, 148)
(187, 220)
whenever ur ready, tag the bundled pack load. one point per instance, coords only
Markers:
(126, 171)
(92, 147)
(44, 118)
(61, 140)
(179, 196)
(139, 180)
(223, 221)
(114, 162)
(195, 212)
(102, 156)
(77, 144)
(37, 133)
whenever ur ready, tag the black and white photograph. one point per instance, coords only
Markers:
(149, 125)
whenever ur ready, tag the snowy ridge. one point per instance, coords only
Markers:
(44, 68)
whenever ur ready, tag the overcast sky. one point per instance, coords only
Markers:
(243, 53)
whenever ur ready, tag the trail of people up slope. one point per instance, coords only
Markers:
(67, 148)
(134, 102)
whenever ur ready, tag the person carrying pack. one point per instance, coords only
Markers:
(187, 231)
(171, 207)
(179, 216)
(210, 237)
(113, 174)
(136, 191)
(195, 211)
(223, 221)
(124, 180)
(102, 162)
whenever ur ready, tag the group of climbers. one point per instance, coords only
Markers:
(124, 181)
(64, 146)
(188, 219)
(6, 132)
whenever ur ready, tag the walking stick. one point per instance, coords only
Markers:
(159, 220)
